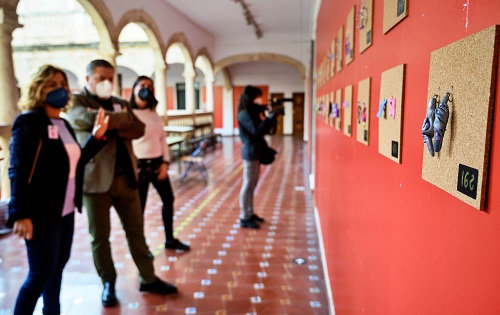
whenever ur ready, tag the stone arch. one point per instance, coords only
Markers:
(180, 40)
(100, 15)
(261, 57)
(204, 63)
(148, 24)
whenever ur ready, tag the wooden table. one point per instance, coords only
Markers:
(181, 131)
(173, 142)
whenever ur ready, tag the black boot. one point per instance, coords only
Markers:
(108, 296)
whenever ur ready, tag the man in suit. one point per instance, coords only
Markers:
(111, 180)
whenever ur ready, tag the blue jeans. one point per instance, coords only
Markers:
(251, 170)
(48, 253)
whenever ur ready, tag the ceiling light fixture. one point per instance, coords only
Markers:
(249, 17)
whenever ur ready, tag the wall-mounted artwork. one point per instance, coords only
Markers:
(337, 109)
(390, 113)
(330, 108)
(394, 12)
(332, 58)
(458, 116)
(347, 111)
(339, 46)
(363, 111)
(364, 23)
(349, 37)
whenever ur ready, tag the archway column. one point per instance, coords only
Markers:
(161, 89)
(189, 92)
(209, 87)
(9, 93)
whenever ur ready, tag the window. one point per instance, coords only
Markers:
(181, 95)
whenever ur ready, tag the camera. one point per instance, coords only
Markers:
(277, 107)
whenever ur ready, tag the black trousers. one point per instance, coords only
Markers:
(147, 174)
(48, 253)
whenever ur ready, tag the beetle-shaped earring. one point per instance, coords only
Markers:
(428, 126)
(442, 115)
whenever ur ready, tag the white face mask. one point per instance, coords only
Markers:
(104, 89)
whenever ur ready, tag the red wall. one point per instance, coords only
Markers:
(218, 107)
(394, 243)
(170, 98)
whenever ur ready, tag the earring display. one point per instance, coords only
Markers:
(428, 126)
(332, 58)
(339, 43)
(349, 37)
(435, 123)
(364, 24)
(337, 109)
(394, 12)
(440, 121)
(390, 113)
(381, 108)
(458, 119)
(363, 111)
(347, 111)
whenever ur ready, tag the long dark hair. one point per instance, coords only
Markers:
(150, 105)
(250, 93)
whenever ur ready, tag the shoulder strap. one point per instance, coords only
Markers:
(36, 159)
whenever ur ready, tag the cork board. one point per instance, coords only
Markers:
(394, 12)
(332, 58)
(349, 37)
(347, 111)
(365, 24)
(339, 45)
(390, 121)
(363, 111)
(326, 108)
(330, 108)
(466, 69)
(338, 109)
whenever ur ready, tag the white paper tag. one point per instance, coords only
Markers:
(117, 107)
(53, 132)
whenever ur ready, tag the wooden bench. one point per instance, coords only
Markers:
(202, 125)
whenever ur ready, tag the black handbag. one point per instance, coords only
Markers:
(267, 156)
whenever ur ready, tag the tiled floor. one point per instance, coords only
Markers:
(230, 270)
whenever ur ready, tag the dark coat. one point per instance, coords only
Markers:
(42, 199)
(99, 173)
(252, 129)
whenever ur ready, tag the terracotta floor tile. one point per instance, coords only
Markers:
(230, 270)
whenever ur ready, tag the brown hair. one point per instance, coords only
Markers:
(33, 96)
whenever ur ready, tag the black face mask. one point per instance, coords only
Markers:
(146, 95)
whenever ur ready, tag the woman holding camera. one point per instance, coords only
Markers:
(252, 128)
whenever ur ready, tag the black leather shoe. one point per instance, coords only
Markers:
(249, 223)
(176, 244)
(256, 218)
(158, 286)
(108, 296)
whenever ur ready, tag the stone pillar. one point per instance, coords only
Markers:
(189, 83)
(161, 89)
(9, 92)
(209, 86)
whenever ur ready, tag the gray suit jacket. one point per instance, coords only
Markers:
(99, 172)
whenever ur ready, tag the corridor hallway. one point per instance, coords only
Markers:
(229, 270)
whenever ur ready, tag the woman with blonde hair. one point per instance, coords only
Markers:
(46, 173)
